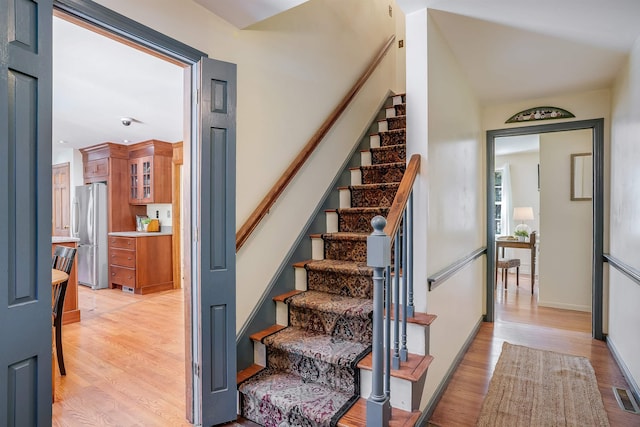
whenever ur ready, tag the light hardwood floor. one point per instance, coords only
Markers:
(521, 321)
(124, 361)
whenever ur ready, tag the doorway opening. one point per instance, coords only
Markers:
(120, 335)
(596, 127)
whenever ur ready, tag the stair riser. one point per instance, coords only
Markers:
(383, 197)
(405, 394)
(313, 370)
(351, 285)
(358, 222)
(377, 175)
(348, 328)
(417, 336)
(381, 155)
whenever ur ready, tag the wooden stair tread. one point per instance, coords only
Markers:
(423, 319)
(412, 370)
(241, 421)
(282, 297)
(248, 372)
(357, 416)
(259, 336)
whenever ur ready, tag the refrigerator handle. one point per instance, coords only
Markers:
(74, 218)
(90, 223)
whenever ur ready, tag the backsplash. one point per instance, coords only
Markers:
(164, 213)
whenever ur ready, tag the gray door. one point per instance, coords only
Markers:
(217, 244)
(25, 212)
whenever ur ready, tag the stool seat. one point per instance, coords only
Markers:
(509, 263)
(505, 265)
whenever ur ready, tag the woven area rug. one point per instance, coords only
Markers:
(533, 387)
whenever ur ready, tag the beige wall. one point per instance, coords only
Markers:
(624, 297)
(449, 207)
(293, 69)
(566, 240)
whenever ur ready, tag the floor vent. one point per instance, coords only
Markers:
(626, 400)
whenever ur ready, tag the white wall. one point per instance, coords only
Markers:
(624, 298)
(566, 241)
(523, 169)
(293, 69)
(443, 125)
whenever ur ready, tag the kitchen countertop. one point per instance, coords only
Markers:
(140, 233)
(63, 239)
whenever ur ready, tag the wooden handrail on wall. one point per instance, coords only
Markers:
(402, 196)
(265, 205)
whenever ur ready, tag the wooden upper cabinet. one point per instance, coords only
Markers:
(108, 163)
(150, 172)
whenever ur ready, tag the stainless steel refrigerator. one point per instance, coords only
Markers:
(89, 224)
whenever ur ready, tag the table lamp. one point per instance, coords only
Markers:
(523, 214)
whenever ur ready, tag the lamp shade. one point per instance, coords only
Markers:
(523, 214)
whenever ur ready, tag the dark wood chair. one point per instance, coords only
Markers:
(62, 260)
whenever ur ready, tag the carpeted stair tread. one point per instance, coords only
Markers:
(388, 154)
(346, 278)
(337, 266)
(332, 303)
(345, 236)
(393, 137)
(397, 122)
(378, 194)
(363, 209)
(345, 246)
(281, 399)
(386, 172)
(317, 345)
(359, 219)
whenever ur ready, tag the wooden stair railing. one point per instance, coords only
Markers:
(385, 356)
(272, 196)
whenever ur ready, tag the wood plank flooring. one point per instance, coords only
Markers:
(521, 321)
(125, 359)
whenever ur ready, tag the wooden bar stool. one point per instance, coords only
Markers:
(505, 265)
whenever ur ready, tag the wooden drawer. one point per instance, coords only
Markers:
(123, 242)
(123, 276)
(122, 257)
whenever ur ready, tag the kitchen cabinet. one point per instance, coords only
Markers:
(150, 172)
(108, 163)
(140, 262)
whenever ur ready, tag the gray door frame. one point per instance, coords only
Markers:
(597, 127)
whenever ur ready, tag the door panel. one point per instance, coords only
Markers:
(25, 212)
(217, 242)
(60, 194)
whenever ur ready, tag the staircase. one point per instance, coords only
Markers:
(313, 366)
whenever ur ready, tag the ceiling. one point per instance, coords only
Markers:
(97, 81)
(511, 50)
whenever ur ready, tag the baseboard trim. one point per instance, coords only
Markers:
(625, 371)
(574, 307)
(431, 406)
